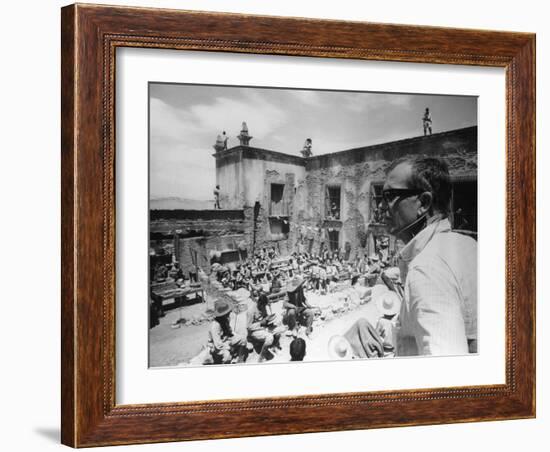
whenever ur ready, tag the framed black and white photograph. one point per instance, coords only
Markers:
(282, 225)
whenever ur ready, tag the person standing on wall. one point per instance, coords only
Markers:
(217, 197)
(427, 121)
(224, 138)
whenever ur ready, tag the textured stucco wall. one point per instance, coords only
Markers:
(355, 170)
(276, 172)
(240, 173)
(202, 231)
(229, 176)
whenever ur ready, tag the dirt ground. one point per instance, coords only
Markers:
(173, 344)
(170, 346)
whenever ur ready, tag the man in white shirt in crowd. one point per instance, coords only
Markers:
(438, 266)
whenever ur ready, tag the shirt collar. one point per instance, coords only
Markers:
(435, 226)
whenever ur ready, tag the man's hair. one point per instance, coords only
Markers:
(297, 349)
(429, 174)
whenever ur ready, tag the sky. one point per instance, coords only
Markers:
(184, 121)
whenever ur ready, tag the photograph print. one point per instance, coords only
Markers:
(310, 225)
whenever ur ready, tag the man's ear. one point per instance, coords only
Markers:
(426, 202)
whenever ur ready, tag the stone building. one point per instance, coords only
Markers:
(273, 198)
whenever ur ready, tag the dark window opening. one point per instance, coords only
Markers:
(229, 256)
(332, 201)
(310, 246)
(382, 246)
(279, 228)
(376, 215)
(464, 206)
(276, 207)
(334, 240)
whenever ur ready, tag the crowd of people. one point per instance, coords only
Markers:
(268, 278)
(268, 271)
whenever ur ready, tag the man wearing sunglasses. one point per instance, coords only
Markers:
(438, 266)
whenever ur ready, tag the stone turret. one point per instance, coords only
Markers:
(244, 137)
(220, 145)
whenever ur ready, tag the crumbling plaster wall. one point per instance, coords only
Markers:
(219, 231)
(354, 198)
(355, 170)
(257, 171)
(290, 179)
(203, 246)
(230, 176)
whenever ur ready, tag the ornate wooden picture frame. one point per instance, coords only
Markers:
(90, 37)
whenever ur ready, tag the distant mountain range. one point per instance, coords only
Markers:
(175, 203)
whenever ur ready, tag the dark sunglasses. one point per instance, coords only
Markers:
(391, 194)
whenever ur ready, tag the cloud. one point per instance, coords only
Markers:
(356, 104)
(261, 116)
(403, 101)
(169, 122)
(307, 97)
(181, 162)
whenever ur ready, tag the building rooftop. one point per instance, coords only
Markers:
(389, 149)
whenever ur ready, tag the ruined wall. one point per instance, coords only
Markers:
(356, 169)
(290, 179)
(218, 222)
(203, 246)
(245, 175)
(240, 173)
(257, 170)
(202, 231)
(229, 176)
(354, 181)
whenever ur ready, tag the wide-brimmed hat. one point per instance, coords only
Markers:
(393, 273)
(294, 284)
(221, 308)
(339, 348)
(389, 303)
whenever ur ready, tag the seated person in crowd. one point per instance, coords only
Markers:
(161, 273)
(175, 272)
(388, 305)
(298, 310)
(276, 284)
(225, 345)
(315, 275)
(323, 278)
(261, 326)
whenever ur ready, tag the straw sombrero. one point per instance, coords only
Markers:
(389, 303)
(221, 307)
(339, 348)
